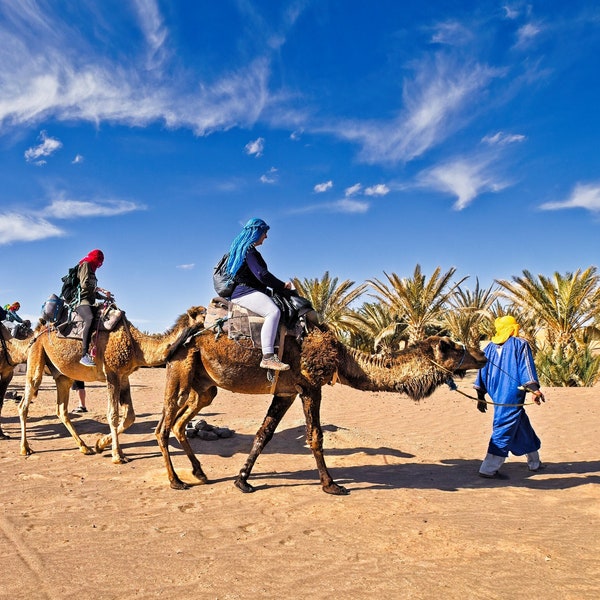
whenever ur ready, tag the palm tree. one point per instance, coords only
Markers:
(471, 312)
(332, 301)
(564, 304)
(566, 310)
(416, 301)
(378, 330)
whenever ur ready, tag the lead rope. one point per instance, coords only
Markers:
(453, 387)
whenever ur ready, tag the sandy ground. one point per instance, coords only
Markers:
(418, 522)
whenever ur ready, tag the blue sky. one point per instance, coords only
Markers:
(371, 135)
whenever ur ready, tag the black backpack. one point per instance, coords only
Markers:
(223, 283)
(70, 288)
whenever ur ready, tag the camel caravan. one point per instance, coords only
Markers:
(218, 347)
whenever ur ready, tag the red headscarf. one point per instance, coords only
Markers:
(95, 258)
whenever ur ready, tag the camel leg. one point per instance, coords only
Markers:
(279, 406)
(4, 383)
(196, 403)
(127, 418)
(33, 380)
(113, 386)
(63, 386)
(311, 402)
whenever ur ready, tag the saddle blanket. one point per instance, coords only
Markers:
(237, 322)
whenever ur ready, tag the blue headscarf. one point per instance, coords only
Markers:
(251, 233)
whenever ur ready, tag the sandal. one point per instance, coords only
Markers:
(80, 409)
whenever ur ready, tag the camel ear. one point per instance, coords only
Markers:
(196, 311)
(443, 346)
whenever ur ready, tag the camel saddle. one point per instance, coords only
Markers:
(106, 317)
(239, 323)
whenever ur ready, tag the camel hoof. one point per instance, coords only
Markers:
(244, 486)
(26, 451)
(200, 477)
(4, 436)
(120, 460)
(335, 490)
(87, 450)
(177, 484)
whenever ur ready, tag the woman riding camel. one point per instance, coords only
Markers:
(88, 293)
(253, 279)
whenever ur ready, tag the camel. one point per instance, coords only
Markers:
(119, 353)
(194, 374)
(12, 353)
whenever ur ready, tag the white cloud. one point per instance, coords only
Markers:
(527, 33)
(255, 148)
(502, 139)
(270, 177)
(345, 205)
(77, 160)
(187, 267)
(62, 208)
(151, 24)
(24, 228)
(47, 147)
(585, 196)
(462, 178)
(377, 190)
(451, 33)
(443, 95)
(323, 187)
(352, 190)
(51, 71)
(510, 12)
(350, 206)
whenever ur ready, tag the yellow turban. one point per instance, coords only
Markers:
(505, 327)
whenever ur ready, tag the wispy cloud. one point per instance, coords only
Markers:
(438, 100)
(62, 208)
(51, 70)
(46, 147)
(26, 228)
(452, 33)
(585, 196)
(527, 33)
(187, 267)
(323, 187)
(77, 160)
(463, 178)
(502, 139)
(255, 148)
(345, 205)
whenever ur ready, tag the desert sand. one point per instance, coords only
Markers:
(418, 522)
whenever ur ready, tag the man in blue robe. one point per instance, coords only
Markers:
(507, 376)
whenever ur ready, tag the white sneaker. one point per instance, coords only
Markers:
(87, 360)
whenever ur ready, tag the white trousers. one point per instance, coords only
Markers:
(263, 305)
(491, 463)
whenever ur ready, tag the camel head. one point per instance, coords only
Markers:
(454, 357)
(416, 371)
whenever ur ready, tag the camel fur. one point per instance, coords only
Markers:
(195, 373)
(12, 353)
(119, 353)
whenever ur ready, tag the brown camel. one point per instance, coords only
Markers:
(194, 375)
(119, 353)
(12, 353)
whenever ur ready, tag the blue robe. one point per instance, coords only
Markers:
(501, 377)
